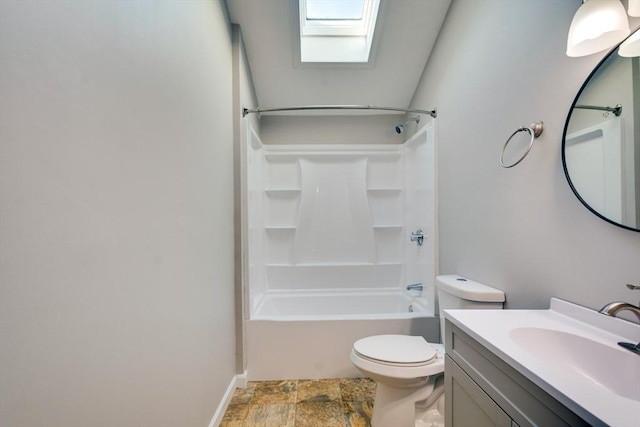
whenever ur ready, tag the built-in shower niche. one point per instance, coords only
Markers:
(385, 197)
(281, 204)
(333, 217)
(281, 214)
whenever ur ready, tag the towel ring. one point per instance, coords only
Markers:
(535, 130)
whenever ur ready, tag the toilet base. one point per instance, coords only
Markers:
(432, 415)
(396, 406)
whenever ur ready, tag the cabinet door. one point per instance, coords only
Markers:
(466, 404)
(513, 392)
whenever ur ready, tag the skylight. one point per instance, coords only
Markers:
(334, 9)
(339, 31)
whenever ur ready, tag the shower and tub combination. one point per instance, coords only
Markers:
(337, 234)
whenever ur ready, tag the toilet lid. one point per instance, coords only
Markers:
(400, 349)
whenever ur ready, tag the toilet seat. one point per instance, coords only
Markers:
(396, 350)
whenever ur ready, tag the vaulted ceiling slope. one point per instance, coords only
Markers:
(406, 32)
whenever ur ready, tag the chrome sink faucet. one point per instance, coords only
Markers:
(613, 308)
(415, 287)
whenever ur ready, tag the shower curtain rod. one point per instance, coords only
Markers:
(259, 110)
(617, 110)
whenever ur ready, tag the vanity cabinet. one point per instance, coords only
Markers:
(483, 390)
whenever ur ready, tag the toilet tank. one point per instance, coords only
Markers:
(456, 292)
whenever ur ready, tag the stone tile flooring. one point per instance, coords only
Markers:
(336, 402)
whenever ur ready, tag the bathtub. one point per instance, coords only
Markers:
(299, 335)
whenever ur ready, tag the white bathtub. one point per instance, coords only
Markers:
(297, 335)
(342, 305)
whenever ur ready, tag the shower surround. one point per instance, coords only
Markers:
(330, 253)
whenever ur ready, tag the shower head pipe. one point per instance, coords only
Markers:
(259, 110)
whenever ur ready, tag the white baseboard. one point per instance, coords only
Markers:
(224, 403)
(241, 380)
(238, 381)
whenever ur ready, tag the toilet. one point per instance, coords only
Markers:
(408, 370)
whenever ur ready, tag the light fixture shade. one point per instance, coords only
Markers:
(634, 8)
(631, 46)
(596, 26)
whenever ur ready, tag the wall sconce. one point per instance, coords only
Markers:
(596, 26)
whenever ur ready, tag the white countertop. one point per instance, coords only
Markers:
(584, 396)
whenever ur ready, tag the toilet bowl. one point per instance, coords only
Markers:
(408, 371)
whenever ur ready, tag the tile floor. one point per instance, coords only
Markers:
(345, 402)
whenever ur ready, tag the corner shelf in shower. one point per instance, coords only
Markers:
(281, 207)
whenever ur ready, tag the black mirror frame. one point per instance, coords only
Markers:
(564, 137)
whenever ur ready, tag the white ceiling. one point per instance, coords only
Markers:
(406, 32)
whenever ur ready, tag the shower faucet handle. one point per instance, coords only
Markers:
(418, 237)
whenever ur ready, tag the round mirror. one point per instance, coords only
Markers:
(601, 142)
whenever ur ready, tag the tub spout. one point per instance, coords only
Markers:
(415, 287)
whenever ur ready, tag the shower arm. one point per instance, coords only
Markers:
(412, 119)
(259, 110)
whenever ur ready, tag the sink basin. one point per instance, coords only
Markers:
(616, 369)
(571, 352)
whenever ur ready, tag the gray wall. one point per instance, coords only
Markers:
(351, 129)
(243, 97)
(116, 232)
(499, 65)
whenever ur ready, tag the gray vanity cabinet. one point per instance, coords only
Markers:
(473, 407)
(482, 390)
